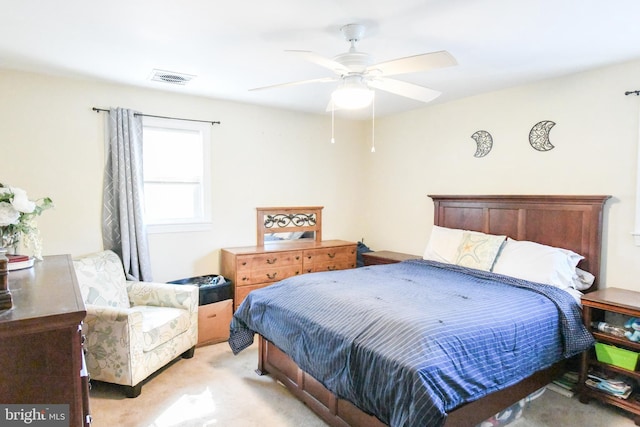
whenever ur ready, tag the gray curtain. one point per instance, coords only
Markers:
(123, 228)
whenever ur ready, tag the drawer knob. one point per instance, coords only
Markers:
(272, 276)
(297, 257)
(245, 278)
(244, 262)
(271, 260)
(331, 255)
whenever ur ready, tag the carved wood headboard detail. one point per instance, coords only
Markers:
(289, 219)
(570, 222)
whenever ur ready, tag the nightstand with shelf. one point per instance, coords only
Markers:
(594, 305)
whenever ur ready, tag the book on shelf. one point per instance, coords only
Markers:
(612, 386)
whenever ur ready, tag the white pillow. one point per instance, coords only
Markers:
(443, 244)
(538, 263)
(583, 280)
(478, 250)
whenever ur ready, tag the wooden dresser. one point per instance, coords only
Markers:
(41, 359)
(254, 267)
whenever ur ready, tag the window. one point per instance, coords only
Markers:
(176, 163)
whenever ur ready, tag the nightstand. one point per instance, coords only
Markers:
(386, 257)
(594, 306)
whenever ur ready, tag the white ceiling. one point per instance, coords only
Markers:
(233, 46)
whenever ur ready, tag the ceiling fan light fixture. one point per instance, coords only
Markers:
(352, 96)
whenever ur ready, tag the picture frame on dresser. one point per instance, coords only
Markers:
(288, 243)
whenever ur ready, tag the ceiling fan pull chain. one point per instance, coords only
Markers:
(333, 109)
(373, 124)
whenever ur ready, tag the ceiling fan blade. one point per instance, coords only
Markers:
(300, 82)
(412, 64)
(408, 90)
(320, 60)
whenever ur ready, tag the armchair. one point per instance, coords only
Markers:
(133, 328)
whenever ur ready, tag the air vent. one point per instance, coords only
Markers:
(170, 77)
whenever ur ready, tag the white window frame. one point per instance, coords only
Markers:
(204, 222)
(636, 231)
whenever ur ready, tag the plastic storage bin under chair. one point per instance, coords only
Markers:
(215, 307)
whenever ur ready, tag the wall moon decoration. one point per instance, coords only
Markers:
(484, 143)
(539, 135)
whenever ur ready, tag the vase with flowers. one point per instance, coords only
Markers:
(18, 219)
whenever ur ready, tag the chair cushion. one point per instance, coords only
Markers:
(102, 280)
(161, 324)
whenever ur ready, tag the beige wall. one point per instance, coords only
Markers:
(430, 151)
(52, 144)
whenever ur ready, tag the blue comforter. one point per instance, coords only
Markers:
(409, 342)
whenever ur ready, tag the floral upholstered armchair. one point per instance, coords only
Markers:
(133, 328)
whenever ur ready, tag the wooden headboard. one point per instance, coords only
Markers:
(570, 222)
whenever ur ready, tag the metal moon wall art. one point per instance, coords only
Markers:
(539, 135)
(538, 138)
(484, 143)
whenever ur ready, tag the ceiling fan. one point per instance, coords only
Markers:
(358, 75)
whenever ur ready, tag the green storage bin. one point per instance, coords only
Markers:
(616, 356)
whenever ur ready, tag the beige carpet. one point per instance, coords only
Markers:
(218, 389)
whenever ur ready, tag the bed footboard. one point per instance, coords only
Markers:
(341, 413)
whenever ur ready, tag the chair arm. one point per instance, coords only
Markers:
(112, 314)
(163, 295)
(114, 342)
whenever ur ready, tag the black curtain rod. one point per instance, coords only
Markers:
(632, 92)
(100, 110)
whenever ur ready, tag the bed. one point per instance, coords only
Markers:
(464, 392)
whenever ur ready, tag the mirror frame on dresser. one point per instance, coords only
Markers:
(288, 219)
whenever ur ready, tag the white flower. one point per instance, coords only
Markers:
(17, 218)
(21, 202)
(8, 214)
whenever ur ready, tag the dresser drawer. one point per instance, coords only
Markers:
(325, 255)
(243, 291)
(329, 266)
(267, 275)
(270, 260)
